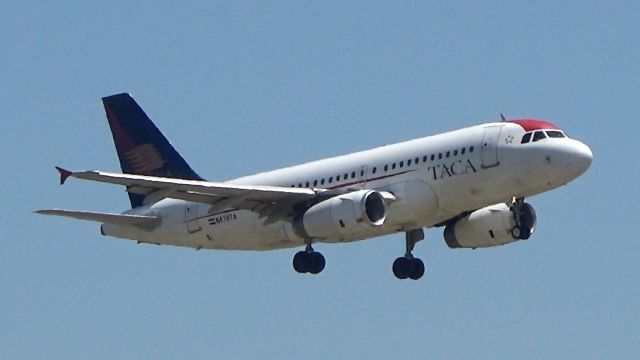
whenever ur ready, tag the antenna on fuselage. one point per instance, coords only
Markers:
(502, 117)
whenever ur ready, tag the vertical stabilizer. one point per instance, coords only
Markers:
(141, 147)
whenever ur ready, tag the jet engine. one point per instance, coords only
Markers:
(343, 216)
(492, 226)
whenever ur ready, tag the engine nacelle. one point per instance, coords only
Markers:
(490, 226)
(343, 216)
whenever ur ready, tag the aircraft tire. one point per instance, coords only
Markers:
(301, 262)
(401, 268)
(317, 263)
(525, 233)
(520, 232)
(417, 269)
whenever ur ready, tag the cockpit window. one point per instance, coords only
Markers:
(526, 138)
(555, 134)
(538, 135)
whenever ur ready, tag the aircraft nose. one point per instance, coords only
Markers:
(574, 158)
(582, 157)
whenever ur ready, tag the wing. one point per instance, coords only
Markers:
(274, 202)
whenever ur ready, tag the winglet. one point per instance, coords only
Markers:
(64, 174)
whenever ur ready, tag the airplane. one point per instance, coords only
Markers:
(472, 181)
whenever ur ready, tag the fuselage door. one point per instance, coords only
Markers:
(191, 217)
(490, 146)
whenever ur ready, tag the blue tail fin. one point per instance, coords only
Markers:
(141, 147)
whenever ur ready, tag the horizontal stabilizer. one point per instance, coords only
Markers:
(107, 218)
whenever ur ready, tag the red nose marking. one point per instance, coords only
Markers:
(533, 124)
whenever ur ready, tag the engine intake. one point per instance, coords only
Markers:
(343, 216)
(490, 226)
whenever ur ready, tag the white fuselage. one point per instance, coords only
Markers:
(434, 179)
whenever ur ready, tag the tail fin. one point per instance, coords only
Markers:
(141, 147)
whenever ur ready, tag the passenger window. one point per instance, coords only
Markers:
(386, 167)
(463, 150)
(361, 172)
(393, 166)
(439, 156)
(433, 157)
(401, 163)
(353, 174)
(526, 138)
(555, 134)
(330, 180)
(448, 153)
(539, 135)
(307, 184)
(409, 162)
(338, 178)
(322, 182)
(455, 152)
(417, 160)
(346, 176)
(300, 185)
(424, 158)
(471, 149)
(374, 170)
(315, 182)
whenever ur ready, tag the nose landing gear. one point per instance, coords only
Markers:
(525, 219)
(409, 266)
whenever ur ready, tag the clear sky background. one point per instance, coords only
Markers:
(242, 87)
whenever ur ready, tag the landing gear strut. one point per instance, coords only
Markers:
(409, 266)
(308, 261)
(525, 219)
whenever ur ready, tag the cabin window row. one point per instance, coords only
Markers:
(387, 167)
(426, 158)
(330, 180)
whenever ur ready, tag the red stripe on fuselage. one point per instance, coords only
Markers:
(369, 180)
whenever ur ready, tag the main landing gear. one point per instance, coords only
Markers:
(308, 261)
(405, 267)
(409, 266)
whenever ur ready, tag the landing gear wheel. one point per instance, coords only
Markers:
(525, 232)
(417, 269)
(404, 268)
(520, 232)
(317, 263)
(300, 262)
(308, 261)
(401, 268)
(524, 217)
(409, 266)
(515, 232)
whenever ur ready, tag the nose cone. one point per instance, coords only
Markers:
(582, 157)
(570, 159)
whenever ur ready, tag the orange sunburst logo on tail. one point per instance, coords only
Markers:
(144, 159)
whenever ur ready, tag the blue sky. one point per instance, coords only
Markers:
(241, 87)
